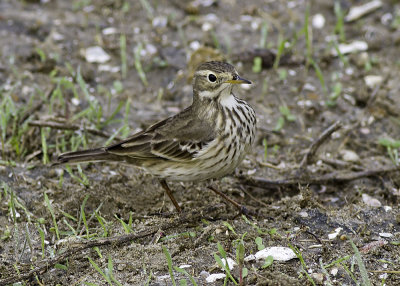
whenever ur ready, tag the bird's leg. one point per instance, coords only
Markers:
(242, 209)
(170, 195)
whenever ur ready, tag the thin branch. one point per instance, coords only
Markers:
(66, 126)
(47, 264)
(317, 143)
(330, 178)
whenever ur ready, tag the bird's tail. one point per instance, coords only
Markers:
(98, 154)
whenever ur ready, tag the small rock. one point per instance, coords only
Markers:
(185, 266)
(333, 235)
(303, 214)
(349, 156)
(362, 59)
(109, 31)
(160, 22)
(108, 68)
(387, 208)
(334, 271)
(204, 274)
(309, 87)
(386, 19)
(385, 234)
(359, 11)
(353, 47)
(206, 27)
(231, 263)
(57, 36)
(370, 201)
(195, 45)
(96, 55)
(75, 101)
(373, 80)
(318, 21)
(279, 253)
(214, 277)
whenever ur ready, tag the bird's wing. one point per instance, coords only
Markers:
(177, 138)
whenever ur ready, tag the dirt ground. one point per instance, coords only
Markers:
(57, 94)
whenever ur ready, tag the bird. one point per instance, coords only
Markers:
(207, 140)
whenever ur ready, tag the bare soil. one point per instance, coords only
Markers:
(44, 42)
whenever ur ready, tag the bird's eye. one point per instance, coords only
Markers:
(212, 77)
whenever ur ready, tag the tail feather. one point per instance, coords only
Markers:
(98, 154)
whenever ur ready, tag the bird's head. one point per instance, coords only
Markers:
(214, 80)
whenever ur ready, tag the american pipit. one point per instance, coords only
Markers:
(206, 140)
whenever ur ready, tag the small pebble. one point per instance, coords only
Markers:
(160, 22)
(349, 156)
(231, 263)
(373, 80)
(385, 234)
(357, 12)
(387, 208)
(333, 235)
(214, 277)
(353, 47)
(370, 201)
(109, 31)
(96, 55)
(303, 214)
(318, 21)
(279, 253)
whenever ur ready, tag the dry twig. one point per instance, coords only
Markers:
(317, 143)
(330, 178)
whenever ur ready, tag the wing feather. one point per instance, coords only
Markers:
(179, 138)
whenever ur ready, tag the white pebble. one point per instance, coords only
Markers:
(385, 234)
(309, 87)
(160, 22)
(333, 235)
(353, 47)
(109, 31)
(96, 55)
(359, 11)
(108, 68)
(75, 101)
(303, 214)
(206, 27)
(318, 21)
(279, 253)
(195, 45)
(231, 263)
(387, 208)
(373, 80)
(214, 277)
(386, 19)
(349, 156)
(370, 201)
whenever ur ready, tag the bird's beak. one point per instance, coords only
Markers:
(238, 80)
